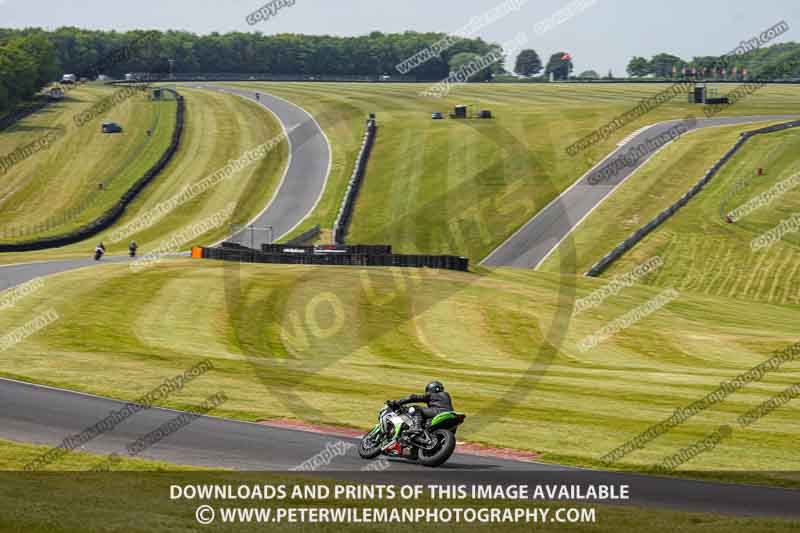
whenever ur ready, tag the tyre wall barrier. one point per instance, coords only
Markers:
(305, 236)
(115, 212)
(18, 114)
(350, 195)
(642, 232)
(247, 255)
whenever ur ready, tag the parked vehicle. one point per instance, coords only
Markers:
(111, 127)
(437, 115)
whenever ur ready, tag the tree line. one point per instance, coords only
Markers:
(77, 50)
(27, 63)
(779, 61)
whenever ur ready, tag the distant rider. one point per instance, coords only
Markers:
(132, 248)
(435, 397)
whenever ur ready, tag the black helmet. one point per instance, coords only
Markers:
(434, 386)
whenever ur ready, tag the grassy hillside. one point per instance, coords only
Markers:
(705, 254)
(237, 125)
(505, 345)
(464, 187)
(702, 252)
(68, 175)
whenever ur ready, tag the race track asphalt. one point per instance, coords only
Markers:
(529, 246)
(46, 415)
(305, 176)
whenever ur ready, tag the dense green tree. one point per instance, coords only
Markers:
(662, 65)
(638, 67)
(460, 59)
(461, 62)
(528, 63)
(589, 74)
(559, 65)
(27, 63)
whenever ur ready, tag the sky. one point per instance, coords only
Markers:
(601, 35)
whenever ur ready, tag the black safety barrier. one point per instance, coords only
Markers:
(642, 232)
(242, 254)
(348, 203)
(21, 112)
(115, 212)
(306, 235)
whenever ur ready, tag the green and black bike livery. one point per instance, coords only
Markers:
(432, 447)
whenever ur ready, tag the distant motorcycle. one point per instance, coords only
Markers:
(98, 253)
(132, 249)
(432, 447)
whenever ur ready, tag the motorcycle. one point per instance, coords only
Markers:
(431, 448)
(98, 253)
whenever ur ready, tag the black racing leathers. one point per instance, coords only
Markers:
(437, 402)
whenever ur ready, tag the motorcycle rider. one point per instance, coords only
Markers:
(437, 399)
(99, 250)
(132, 248)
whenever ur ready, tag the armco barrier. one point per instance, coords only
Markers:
(246, 255)
(642, 232)
(115, 212)
(349, 201)
(306, 235)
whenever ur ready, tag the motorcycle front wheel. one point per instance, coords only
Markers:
(446, 444)
(370, 445)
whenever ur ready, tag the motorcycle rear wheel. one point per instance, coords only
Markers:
(443, 450)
